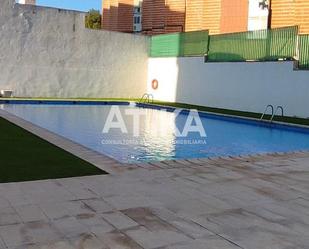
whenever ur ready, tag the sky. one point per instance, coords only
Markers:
(82, 5)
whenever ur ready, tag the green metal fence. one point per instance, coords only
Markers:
(261, 45)
(179, 44)
(303, 52)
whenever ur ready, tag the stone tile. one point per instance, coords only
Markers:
(9, 216)
(195, 161)
(52, 245)
(256, 238)
(55, 210)
(92, 219)
(62, 244)
(208, 243)
(205, 222)
(95, 224)
(29, 246)
(65, 244)
(29, 213)
(301, 202)
(2, 245)
(13, 235)
(119, 220)
(98, 205)
(126, 202)
(246, 198)
(266, 214)
(13, 193)
(271, 190)
(41, 232)
(102, 229)
(226, 188)
(77, 207)
(212, 202)
(29, 233)
(197, 179)
(191, 229)
(288, 209)
(178, 172)
(193, 207)
(70, 227)
(146, 218)
(118, 240)
(45, 191)
(75, 186)
(238, 219)
(156, 239)
(187, 183)
(164, 214)
(87, 241)
(4, 203)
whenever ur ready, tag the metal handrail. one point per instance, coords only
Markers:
(151, 98)
(264, 113)
(279, 107)
(146, 98)
(142, 98)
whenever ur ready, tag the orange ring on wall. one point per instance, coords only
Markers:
(155, 84)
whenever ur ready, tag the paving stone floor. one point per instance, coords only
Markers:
(259, 202)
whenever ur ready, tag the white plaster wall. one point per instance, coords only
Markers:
(237, 86)
(46, 52)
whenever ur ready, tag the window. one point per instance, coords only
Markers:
(137, 9)
(137, 19)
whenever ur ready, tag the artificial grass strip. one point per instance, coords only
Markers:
(290, 120)
(26, 157)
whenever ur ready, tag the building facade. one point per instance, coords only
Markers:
(122, 15)
(290, 12)
(33, 2)
(217, 16)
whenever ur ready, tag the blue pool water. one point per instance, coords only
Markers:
(157, 141)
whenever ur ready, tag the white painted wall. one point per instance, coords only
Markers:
(46, 52)
(237, 86)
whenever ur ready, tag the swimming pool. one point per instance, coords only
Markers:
(84, 122)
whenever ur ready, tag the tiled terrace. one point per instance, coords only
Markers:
(257, 202)
(253, 202)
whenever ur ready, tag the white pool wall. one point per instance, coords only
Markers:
(244, 86)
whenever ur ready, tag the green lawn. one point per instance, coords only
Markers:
(25, 157)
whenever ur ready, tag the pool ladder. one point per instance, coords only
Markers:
(273, 112)
(146, 98)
